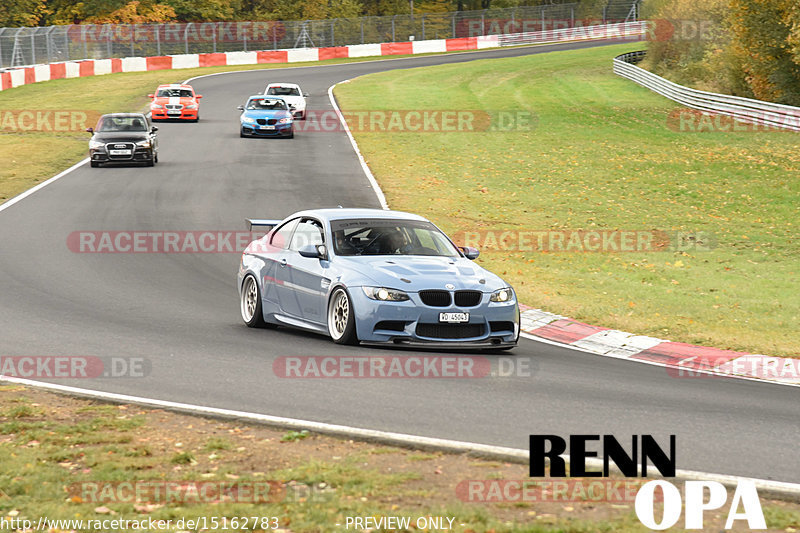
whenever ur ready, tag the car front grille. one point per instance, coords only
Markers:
(174, 106)
(120, 146)
(264, 121)
(435, 298)
(450, 331)
(468, 298)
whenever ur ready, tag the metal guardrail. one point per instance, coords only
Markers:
(30, 46)
(743, 109)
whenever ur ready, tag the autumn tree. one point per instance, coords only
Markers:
(765, 39)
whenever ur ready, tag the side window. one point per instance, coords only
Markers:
(308, 232)
(282, 236)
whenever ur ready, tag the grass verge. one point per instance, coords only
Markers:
(65, 458)
(602, 156)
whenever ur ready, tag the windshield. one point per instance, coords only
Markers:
(121, 124)
(174, 93)
(283, 91)
(266, 103)
(389, 237)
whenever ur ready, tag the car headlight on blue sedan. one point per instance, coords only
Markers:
(287, 120)
(248, 120)
(506, 294)
(385, 295)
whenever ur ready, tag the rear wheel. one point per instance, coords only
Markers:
(341, 318)
(251, 303)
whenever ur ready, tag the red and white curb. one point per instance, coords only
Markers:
(680, 359)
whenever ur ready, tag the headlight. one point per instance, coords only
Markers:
(94, 145)
(286, 120)
(156, 106)
(191, 106)
(385, 295)
(248, 120)
(143, 144)
(502, 295)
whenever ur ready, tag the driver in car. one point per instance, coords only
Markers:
(394, 242)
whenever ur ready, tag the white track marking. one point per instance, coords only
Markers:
(42, 185)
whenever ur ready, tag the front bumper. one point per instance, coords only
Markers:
(139, 155)
(185, 114)
(412, 323)
(281, 130)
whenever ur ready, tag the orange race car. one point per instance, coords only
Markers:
(175, 101)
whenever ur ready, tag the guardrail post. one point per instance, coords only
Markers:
(362, 30)
(131, 26)
(483, 26)
(423, 26)
(186, 37)
(215, 38)
(157, 29)
(333, 38)
(33, 48)
(453, 20)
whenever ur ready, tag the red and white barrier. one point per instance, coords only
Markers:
(14, 77)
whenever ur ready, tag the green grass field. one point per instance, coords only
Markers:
(602, 157)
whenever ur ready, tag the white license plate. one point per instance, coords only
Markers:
(267, 127)
(119, 152)
(453, 317)
(173, 112)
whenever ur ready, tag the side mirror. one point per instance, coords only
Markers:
(154, 129)
(469, 252)
(198, 96)
(151, 96)
(240, 107)
(318, 251)
(305, 95)
(90, 130)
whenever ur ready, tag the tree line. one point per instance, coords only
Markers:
(16, 13)
(747, 48)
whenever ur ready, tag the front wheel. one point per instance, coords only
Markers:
(251, 303)
(341, 318)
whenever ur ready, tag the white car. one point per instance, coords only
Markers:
(293, 96)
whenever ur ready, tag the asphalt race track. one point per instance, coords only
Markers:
(180, 311)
